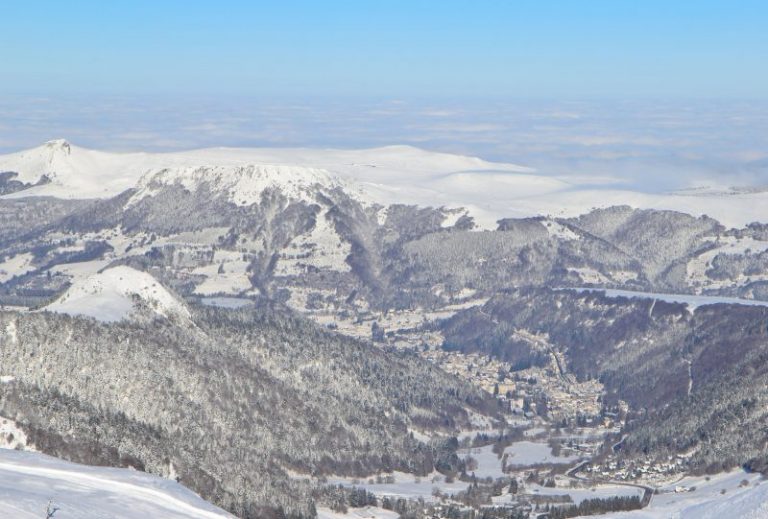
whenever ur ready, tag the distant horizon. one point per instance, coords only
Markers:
(664, 144)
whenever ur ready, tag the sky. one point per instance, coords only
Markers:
(657, 94)
(529, 48)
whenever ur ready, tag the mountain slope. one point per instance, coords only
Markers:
(117, 293)
(29, 481)
(716, 497)
(232, 403)
(57, 168)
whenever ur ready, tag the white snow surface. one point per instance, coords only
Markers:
(578, 495)
(74, 172)
(28, 480)
(226, 302)
(113, 294)
(369, 512)
(16, 266)
(527, 453)
(707, 501)
(404, 485)
(392, 174)
(692, 301)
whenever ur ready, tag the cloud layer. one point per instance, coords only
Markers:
(642, 144)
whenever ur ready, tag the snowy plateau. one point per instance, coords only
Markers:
(394, 174)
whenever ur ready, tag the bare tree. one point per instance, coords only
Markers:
(51, 510)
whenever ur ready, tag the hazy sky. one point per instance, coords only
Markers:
(646, 144)
(658, 94)
(574, 48)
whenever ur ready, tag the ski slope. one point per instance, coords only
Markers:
(29, 480)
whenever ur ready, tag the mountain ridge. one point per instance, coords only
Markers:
(390, 174)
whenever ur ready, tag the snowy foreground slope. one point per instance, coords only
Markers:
(393, 174)
(29, 480)
(733, 495)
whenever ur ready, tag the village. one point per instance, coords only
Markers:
(647, 471)
(561, 454)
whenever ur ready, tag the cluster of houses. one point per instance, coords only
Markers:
(647, 470)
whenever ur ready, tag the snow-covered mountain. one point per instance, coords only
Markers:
(393, 174)
(324, 225)
(57, 168)
(117, 293)
(243, 185)
(76, 172)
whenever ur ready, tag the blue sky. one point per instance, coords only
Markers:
(521, 48)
